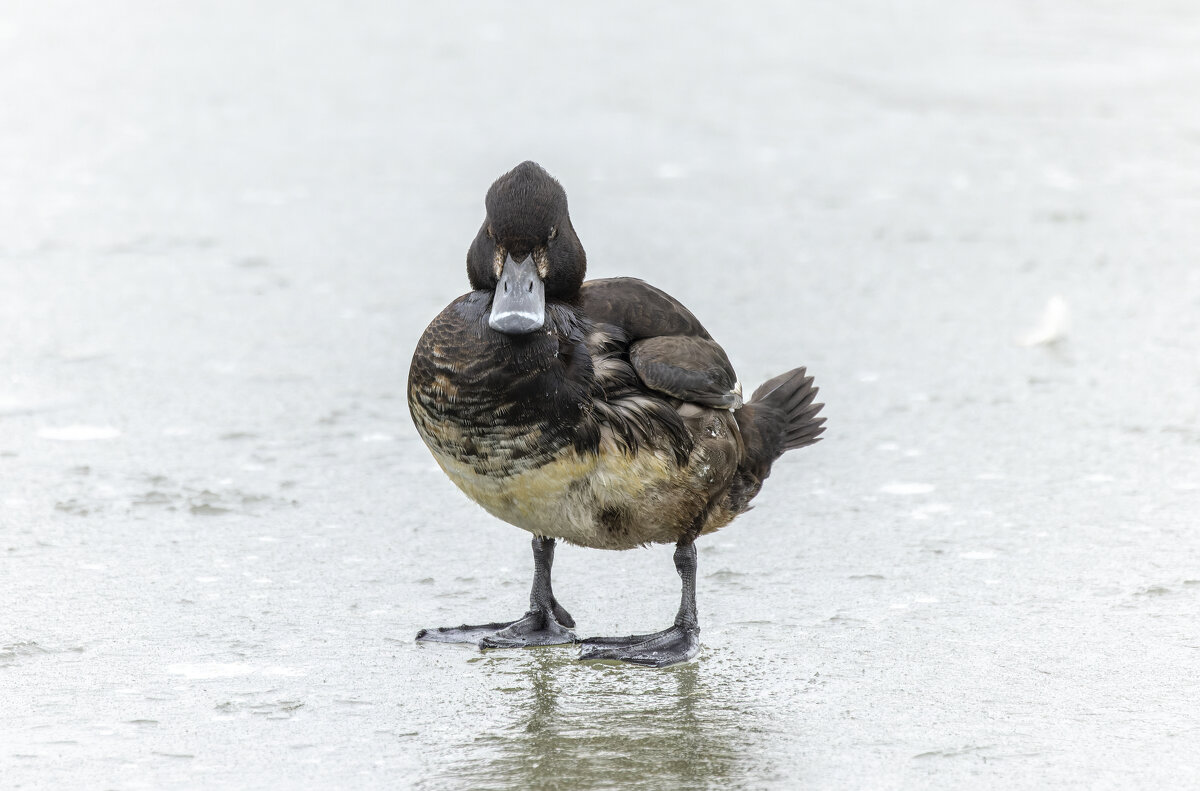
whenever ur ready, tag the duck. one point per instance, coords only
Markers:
(600, 413)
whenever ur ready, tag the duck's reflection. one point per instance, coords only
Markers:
(580, 726)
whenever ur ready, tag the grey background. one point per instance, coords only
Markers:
(224, 225)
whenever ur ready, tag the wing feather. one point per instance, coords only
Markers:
(669, 348)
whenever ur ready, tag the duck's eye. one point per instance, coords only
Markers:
(553, 233)
(490, 233)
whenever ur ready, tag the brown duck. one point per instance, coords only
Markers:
(599, 413)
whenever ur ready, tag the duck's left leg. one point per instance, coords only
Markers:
(546, 623)
(677, 644)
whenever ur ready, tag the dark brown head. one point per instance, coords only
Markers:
(526, 252)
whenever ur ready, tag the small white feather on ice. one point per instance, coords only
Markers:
(1051, 327)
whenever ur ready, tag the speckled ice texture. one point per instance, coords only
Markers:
(224, 225)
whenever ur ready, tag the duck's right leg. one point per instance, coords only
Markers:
(677, 643)
(546, 623)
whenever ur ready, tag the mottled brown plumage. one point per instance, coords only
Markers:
(611, 419)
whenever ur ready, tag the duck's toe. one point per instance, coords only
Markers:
(459, 634)
(661, 649)
(536, 628)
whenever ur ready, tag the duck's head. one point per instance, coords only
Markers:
(526, 252)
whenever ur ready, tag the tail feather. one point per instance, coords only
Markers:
(787, 410)
(780, 416)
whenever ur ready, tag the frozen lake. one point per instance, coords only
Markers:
(222, 231)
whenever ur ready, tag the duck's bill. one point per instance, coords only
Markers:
(519, 305)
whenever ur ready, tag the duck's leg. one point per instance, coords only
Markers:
(546, 623)
(668, 647)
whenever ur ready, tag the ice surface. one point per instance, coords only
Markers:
(907, 488)
(78, 433)
(222, 230)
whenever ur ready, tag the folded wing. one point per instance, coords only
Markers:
(669, 349)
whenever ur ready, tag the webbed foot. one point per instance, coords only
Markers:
(536, 628)
(668, 647)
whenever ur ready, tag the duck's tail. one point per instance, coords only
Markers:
(779, 417)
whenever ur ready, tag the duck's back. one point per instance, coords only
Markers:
(638, 308)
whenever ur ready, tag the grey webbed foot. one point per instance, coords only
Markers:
(668, 647)
(536, 628)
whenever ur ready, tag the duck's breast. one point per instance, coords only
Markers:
(615, 498)
(500, 405)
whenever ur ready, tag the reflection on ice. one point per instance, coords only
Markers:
(601, 726)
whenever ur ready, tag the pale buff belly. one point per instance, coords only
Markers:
(611, 500)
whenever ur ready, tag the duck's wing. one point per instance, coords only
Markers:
(690, 369)
(668, 347)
